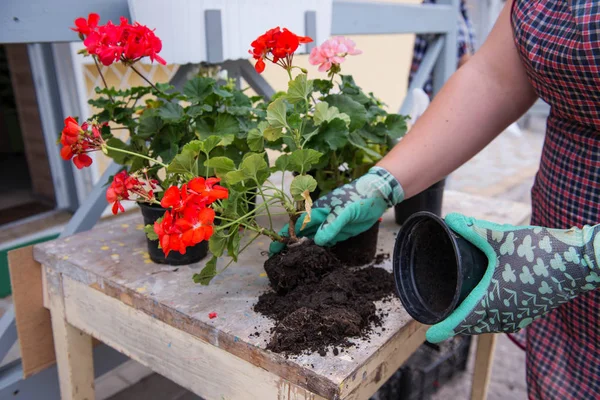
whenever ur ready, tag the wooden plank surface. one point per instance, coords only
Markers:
(34, 327)
(114, 261)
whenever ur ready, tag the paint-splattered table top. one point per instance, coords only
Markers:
(113, 259)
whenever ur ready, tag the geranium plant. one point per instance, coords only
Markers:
(205, 162)
(158, 119)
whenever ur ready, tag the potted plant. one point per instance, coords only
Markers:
(158, 121)
(178, 154)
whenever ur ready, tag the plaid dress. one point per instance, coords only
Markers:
(559, 43)
(465, 44)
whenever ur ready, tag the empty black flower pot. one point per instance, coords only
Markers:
(192, 255)
(429, 200)
(434, 268)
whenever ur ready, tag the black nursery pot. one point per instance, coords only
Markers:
(358, 250)
(192, 255)
(434, 268)
(428, 200)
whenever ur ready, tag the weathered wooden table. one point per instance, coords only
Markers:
(101, 284)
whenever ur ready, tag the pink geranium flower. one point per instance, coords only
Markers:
(332, 51)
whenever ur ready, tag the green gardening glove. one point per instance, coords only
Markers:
(348, 210)
(531, 271)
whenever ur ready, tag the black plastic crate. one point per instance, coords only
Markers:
(427, 370)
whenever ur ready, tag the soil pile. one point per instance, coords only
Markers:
(317, 302)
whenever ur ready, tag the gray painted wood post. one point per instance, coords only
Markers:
(446, 64)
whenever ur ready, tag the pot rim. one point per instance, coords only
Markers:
(402, 240)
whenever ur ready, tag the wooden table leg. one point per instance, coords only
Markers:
(74, 357)
(483, 366)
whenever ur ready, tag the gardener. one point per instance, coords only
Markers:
(548, 49)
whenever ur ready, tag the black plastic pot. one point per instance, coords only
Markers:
(434, 268)
(358, 250)
(192, 255)
(428, 200)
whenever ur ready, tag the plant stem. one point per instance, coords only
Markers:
(292, 227)
(146, 79)
(135, 154)
(241, 250)
(102, 77)
(266, 207)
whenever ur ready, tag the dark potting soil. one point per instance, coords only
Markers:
(435, 268)
(300, 264)
(324, 308)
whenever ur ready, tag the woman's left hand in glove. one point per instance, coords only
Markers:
(531, 271)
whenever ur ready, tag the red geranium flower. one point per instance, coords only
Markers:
(85, 27)
(169, 235)
(79, 140)
(189, 220)
(175, 198)
(124, 42)
(280, 45)
(208, 189)
(125, 185)
(196, 226)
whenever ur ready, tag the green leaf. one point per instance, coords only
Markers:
(170, 153)
(233, 247)
(217, 243)
(210, 143)
(323, 86)
(358, 142)
(222, 165)
(299, 89)
(184, 163)
(335, 133)
(295, 121)
(303, 159)
(195, 146)
(235, 177)
(226, 124)
(198, 110)
(272, 134)
(283, 162)
(222, 93)
(150, 124)
(300, 184)
(324, 113)
(309, 135)
(119, 158)
(150, 234)
(207, 273)
(256, 140)
(396, 125)
(171, 112)
(276, 113)
(198, 88)
(375, 134)
(356, 112)
(255, 167)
